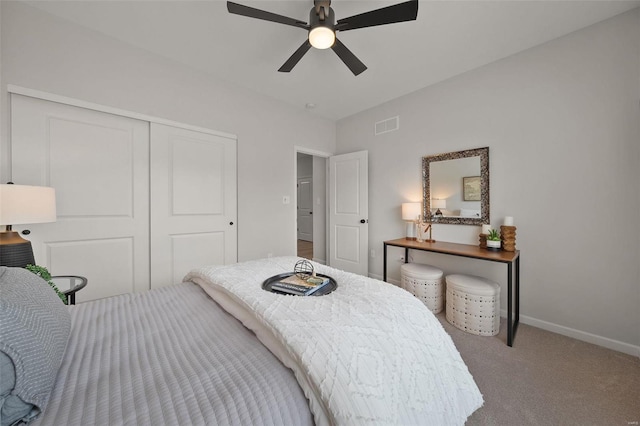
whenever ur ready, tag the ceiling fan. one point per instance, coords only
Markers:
(322, 27)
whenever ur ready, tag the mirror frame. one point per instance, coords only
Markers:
(483, 153)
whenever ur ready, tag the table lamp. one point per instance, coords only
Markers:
(438, 204)
(410, 214)
(22, 204)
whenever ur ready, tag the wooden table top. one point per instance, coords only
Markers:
(465, 250)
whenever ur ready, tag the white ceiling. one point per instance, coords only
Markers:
(448, 38)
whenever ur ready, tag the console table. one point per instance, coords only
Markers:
(511, 258)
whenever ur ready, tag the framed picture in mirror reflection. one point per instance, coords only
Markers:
(471, 188)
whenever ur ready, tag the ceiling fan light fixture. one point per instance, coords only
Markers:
(322, 37)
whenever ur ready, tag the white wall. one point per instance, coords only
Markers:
(2, 125)
(562, 122)
(45, 53)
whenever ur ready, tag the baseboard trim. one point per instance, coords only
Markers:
(606, 342)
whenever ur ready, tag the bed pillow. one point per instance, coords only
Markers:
(35, 327)
(469, 213)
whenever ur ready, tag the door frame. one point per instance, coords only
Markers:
(313, 152)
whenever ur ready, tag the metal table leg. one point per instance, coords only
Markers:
(509, 304)
(512, 322)
(384, 265)
(516, 321)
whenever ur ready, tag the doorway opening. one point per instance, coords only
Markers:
(311, 206)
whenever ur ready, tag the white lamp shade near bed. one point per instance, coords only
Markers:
(19, 205)
(410, 213)
(23, 204)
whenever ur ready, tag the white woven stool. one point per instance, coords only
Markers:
(424, 282)
(473, 304)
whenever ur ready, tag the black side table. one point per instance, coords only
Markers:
(69, 285)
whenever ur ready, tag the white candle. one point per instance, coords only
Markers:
(508, 221)
(486, 229)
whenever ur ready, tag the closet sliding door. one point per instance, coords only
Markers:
(99, 165)
(193, 202)
(139, 204)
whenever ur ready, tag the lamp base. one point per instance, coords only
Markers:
(15, 251)
(411, 231)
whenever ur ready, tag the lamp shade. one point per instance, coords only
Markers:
(410, 211)
(23, 204)
(438, 204)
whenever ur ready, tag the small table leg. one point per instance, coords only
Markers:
(516, 321)
(509, 304)
(384, 264)
(512, 323)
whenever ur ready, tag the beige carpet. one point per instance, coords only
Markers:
(549, 379)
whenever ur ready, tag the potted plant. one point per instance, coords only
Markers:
(43, 273)
(493, 240)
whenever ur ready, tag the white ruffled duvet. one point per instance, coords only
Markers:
(368, 353)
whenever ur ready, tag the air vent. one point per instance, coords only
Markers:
(388, 125)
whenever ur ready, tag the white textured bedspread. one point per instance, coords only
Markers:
(367, 353)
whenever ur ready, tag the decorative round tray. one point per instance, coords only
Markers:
(266, 285)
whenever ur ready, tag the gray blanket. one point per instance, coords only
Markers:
(34, 328)
(169, 356)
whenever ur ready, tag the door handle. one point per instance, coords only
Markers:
(230, 223)
(363, 221)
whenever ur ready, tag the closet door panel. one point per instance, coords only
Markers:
(192, 250)
(118, 251)
(195, 165)
(103, 156)
(193, 202)
(98, 164)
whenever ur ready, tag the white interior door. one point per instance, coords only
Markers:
(98, 164)
(305, 209)
(348, 212)
(193, 202)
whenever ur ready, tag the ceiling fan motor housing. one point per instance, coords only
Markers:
(322, 19)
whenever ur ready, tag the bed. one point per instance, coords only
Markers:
(217, 349)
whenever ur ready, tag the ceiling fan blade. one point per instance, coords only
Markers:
(295, 58)
(350, 60)
(251, 12)
(407, 11)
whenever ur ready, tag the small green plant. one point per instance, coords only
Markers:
(493, 235)
(43, 273)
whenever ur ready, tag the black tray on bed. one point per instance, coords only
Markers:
(266, 285)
